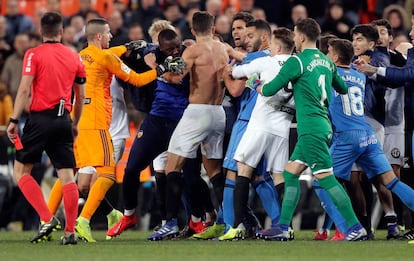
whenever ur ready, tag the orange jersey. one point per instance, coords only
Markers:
(100, 66)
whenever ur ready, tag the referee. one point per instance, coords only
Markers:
(50, 73)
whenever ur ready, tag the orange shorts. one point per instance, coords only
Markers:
(94, 148)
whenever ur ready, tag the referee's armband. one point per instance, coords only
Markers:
(80, 80)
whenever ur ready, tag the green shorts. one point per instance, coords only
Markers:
(313, 151)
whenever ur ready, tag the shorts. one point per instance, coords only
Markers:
(361, 147)
(201, 124)
(94, 148)
(378, 129)
(394, 148)
(312, 150)
(45, 131)
(256, 143)
(160, 162)
(119, 147)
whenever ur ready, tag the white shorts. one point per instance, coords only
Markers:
(378, 129)
(256, 143)
(119, 147)
(160, 162)
(201, 124)
(394, 148)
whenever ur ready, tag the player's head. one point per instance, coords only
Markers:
(340, 51)
(364, 38)
(203, 23)
(238, 28)
(98, 32)
(323, 42)
(306, 31)
(282, 41)
(384, 32)
(169, 42)
(258, 34)
(157, 27)
(51, 25)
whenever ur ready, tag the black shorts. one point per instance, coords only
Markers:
(45, 131)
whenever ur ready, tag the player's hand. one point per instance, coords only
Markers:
(363, 66)
(174, 65)
(136, 45)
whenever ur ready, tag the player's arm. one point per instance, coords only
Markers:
(290, 70)
(123, 72)
(118, 50)
(245, 70)
(234, 86)
(338, 84)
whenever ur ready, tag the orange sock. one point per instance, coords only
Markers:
(70, 201)
(96, 195)
(33, 193)
(55, 197)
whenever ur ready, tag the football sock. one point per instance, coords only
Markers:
(205, 194)
(404, 192)
(55, 197)
(241, 197)
(228, 200)
(161, 180)
(34, 195)
(340, 199)
(280, 188)
(105, 207)
(290, 197)
(173, 197)
(269, 199)
(70, 203)
(332, 212)
(218, 181)
(130, 186)
(96, 195)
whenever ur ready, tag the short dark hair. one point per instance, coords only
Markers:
(323, 42)
(203, 21)
(261, 25)
(367, 30)
(51, 23)
(285, 35)
(343, 48)
(309, 27)
(166, 35)
(245, 16)
(383, 22)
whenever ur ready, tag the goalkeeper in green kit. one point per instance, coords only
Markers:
(312, 75)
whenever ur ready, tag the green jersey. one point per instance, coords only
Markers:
(312, 74)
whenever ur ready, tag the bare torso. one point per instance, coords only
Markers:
(206, 60)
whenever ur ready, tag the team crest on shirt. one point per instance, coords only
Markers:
(395, 153)
(140, 134)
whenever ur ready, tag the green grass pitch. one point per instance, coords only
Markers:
(132, 245)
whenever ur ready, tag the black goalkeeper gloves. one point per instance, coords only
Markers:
(175, 65)
(136, 45)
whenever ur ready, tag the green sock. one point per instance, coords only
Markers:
(340, 199)
(290, 197)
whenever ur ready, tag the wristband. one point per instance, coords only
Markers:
(13, 120)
